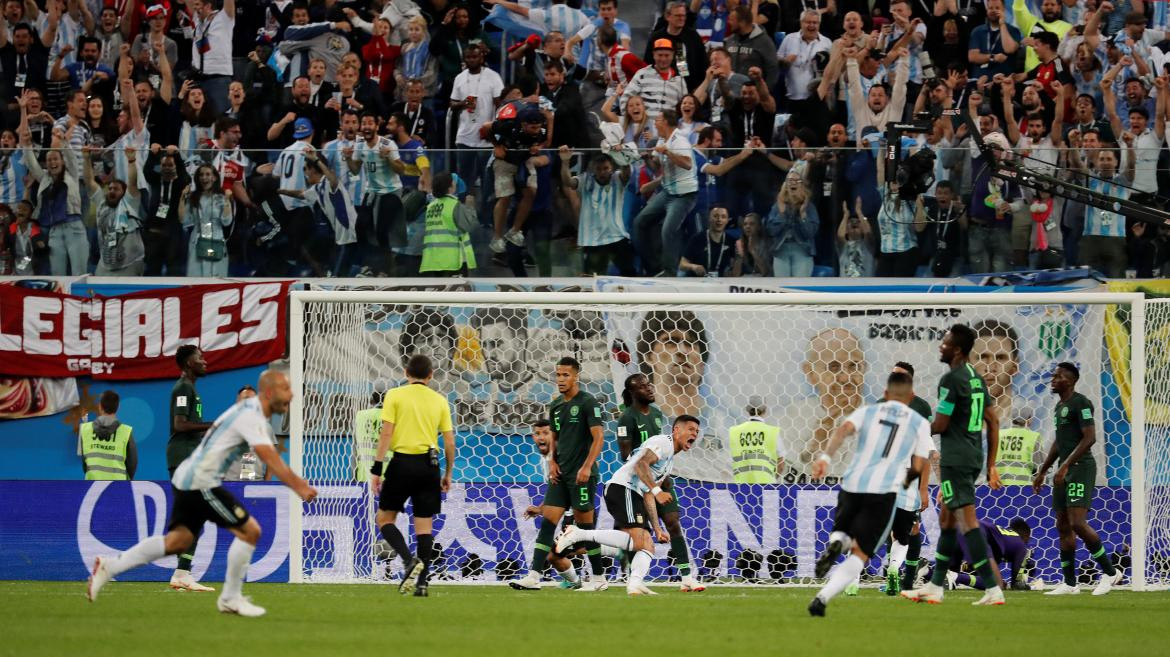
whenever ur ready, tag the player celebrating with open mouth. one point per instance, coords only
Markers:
(632, 495)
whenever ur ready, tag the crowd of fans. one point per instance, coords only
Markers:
(389, 137)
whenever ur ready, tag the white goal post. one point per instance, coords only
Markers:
(809, 356)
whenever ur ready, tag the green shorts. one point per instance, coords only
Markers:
(1077, 489)
(958, 485)
(569, 495)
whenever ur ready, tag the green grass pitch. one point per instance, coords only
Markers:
(130, 619)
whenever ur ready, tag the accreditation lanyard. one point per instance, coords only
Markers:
(718, 260)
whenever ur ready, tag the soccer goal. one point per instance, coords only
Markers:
(801, 361)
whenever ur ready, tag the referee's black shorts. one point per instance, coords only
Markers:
(865, 517)
(411, 477)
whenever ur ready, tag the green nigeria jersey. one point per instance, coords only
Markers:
(571, 422)
(1072, 417)
(636, 427)
(962, 395)
(185, 403)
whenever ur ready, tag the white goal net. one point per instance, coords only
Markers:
(809, 358)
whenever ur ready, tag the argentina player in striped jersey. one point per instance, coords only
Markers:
(632, 496)
(200, 495)
(890, 436)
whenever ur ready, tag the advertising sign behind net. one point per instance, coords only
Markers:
(135, 336)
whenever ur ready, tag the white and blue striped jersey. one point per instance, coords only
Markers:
(896, 224)
(139, 141)
(335, 205)
(380, 178)
(888, 434)
(1103, 223)
(240, 427)
(663, 447)
(12, 173)
(290, 168)
(68, 31)
(560, 18)
(354, 182)
(601, 221)
(193, 140)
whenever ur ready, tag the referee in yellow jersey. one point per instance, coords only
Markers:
(413, 415)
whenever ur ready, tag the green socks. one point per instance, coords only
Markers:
(682, 560)
(947, 538)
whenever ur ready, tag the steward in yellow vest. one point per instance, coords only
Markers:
(106, 446)
(755, 447)
(1016, 461)
(447, 236)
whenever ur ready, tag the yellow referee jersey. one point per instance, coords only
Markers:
(419, 414)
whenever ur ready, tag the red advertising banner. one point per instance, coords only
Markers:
(135, 336)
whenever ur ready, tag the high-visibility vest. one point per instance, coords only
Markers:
(105, 458)
(367, 426)
(445, 247)
(753, 452)
(1016, 447)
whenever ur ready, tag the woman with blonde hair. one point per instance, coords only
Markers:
(792, 226)
(416, 62)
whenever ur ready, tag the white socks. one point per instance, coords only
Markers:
(569, 574)
(611, 551)
(842, 576)
(897, 556)
(239, 556)
(614, 538)
(146, 551)
(639, 566)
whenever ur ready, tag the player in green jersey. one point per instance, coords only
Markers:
(964, 409)
(641, 420)
(1072, 486)
(576, 443)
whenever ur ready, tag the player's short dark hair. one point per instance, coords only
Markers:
(717, 206)
(994, 328)
(905, 366)
(707, 133)
(1145, 113)
(86, 39)
(569, 361)
(401, 119)
(607, 36)
(899, 379)
(223, 124)
(1020, 526)
(109, 401)
(1135, 18)
(300, 4)
(421, 323)
(1071, 369)
(944, 184)
(686, 418)
(555, 64)
(527, 85)
(542, 422)
(671, 117)
(372, 114)
(657, 322)
(443, 183)
(419, 366)
(1049, 39)
(964, 338)
(742, 13)
(183, 354)
(246, 386)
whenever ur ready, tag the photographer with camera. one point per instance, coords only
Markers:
(900, 219)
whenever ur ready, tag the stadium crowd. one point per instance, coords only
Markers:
(389, 137)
